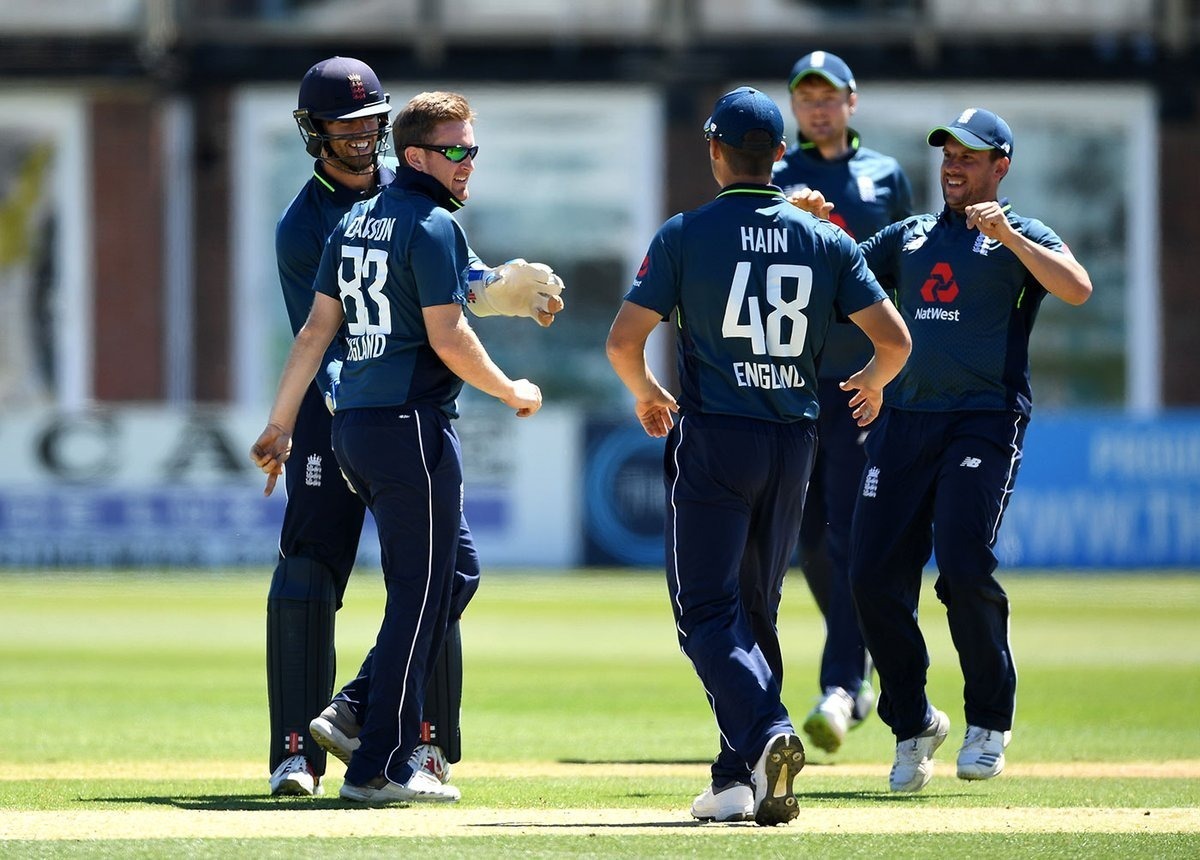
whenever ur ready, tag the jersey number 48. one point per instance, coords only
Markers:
(775, 338)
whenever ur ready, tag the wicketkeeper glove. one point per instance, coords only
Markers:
(517, 288)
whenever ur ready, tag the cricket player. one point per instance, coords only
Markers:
(942, 460)
(343, 117)
(754, 284)
(393, 281)
(868, 191)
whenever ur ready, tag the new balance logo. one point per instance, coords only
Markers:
(871, 483)
(312, 471)
(970, 463)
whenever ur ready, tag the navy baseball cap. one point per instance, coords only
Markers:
(342, 88)
(744, 110)
(829, 66)
(976, 128)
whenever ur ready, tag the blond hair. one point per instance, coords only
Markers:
(417, 119)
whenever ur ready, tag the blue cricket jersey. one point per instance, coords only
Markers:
(970, 305)
(868, 191)
(391, 256)
(300, 235)
(754, 282)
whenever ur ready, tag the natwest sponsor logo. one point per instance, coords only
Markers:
(936, 314)
(940, 286)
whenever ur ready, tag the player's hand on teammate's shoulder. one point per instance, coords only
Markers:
(812, 201)
(526, 398)
(269, 452)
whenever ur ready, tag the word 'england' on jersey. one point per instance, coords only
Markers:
(750, 374)
(379, 229)
(365, 346)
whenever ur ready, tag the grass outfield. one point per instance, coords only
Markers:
(134, 708)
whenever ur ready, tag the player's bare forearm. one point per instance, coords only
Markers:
(304, 359)
(654, 404)
(882, 323)
(626, 350)
(459, 348)
(274, 445)
(1059, 272)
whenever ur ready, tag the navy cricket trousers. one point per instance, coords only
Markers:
(406, 464)
(735, 495)
(825, 537)
(323, 519)
(936, 481)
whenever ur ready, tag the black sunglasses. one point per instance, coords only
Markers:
(456, 153)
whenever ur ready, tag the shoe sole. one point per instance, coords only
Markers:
(821, 733)
(380, 797)
(723, 819)
(293, 789)
(968, 775)
(785, 759)
(362, 794)
(331, 739)
(728, 819)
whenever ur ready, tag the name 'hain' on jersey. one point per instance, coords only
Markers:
(754, 283)
(970, 346)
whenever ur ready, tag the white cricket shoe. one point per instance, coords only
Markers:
(913, 767)
(420, 788)
(734, 802)
(431, 759)
(781, 760)
(335, 730)
(826, 725)
(982, 753)
(295, 777)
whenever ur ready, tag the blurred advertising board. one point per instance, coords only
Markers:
(1102, 490)
(164, 487)
(1095, 490)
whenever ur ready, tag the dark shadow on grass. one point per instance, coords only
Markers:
(240, 802)
(877, 796)
(657, 761)
(606, 825)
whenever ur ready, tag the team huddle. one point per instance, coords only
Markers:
(853, 379)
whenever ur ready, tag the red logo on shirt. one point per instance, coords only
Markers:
(940, 287)
(645, 267)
